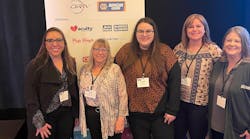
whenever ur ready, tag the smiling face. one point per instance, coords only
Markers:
(54, 43)
(195, 31)
(145, 35)
(232, 45)
(100, 53)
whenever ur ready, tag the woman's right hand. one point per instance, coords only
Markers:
(246, 134)
(44, 131)
(119, 125)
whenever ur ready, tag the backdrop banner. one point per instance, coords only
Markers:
(83, 21)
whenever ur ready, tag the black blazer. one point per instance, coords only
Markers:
(42, 84)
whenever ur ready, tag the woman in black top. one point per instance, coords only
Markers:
(51, 92)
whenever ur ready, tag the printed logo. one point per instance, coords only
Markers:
(116, 27)
(75, 28)
(108, 6)
(77, 6)
(82, 40)
(106, 28)
(121, 27)
(85, 59)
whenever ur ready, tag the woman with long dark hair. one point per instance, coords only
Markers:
(152, 76)
(51, 92)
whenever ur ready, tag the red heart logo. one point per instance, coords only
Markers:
(85, 59)
(73, 28)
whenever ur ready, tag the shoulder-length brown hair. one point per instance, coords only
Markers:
(206, 37)
(155, 57)
(43, 55)
(245, 40)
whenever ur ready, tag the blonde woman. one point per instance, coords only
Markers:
(103, 95)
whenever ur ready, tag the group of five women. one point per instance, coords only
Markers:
(163, 93)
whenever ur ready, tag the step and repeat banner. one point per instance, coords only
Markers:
(84, 21)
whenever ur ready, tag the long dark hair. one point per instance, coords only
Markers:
(155, 57)
(43, 56)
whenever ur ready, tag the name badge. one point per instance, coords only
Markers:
(186, 81)
(90, 94)
(63, 96)
(221, 101)
(142, 82)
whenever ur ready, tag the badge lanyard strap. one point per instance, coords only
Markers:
(226, 79)
(188, 67)
(92, 77)
(144, 66)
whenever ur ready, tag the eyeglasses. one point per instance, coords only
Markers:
(146, 32)
(100, 49)
(58, 40)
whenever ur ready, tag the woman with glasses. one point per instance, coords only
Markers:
(152, 75)
(196, 55)
(103, 95)
(51, 92)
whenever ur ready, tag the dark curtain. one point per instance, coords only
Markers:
(220, 14)
(22, 24)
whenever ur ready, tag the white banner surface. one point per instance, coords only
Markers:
(84, 21)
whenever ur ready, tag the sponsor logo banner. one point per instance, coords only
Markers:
(84, 21)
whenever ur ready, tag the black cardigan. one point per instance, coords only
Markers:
(42, 84)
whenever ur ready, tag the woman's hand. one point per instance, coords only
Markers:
(246, 134)
(168, 118)
(44, 131)
(77, 122)
(119, 125)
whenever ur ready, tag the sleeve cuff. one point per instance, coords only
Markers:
(38, 119)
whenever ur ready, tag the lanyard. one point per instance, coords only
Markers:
(94, 79)
(225, 80)
(144, 66)
(188, 67)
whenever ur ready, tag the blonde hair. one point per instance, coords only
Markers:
(109, 59)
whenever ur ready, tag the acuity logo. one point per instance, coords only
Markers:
(75, 28)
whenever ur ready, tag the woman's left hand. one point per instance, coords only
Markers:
(168, 118)
(246, 134)
(119, 125)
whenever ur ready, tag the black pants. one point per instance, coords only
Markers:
(145, 126)
(191, 118)
(216, 135)
(62, 123)
(94, 123)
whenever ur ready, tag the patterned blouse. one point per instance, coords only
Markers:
(111, 94)
(198, 67)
